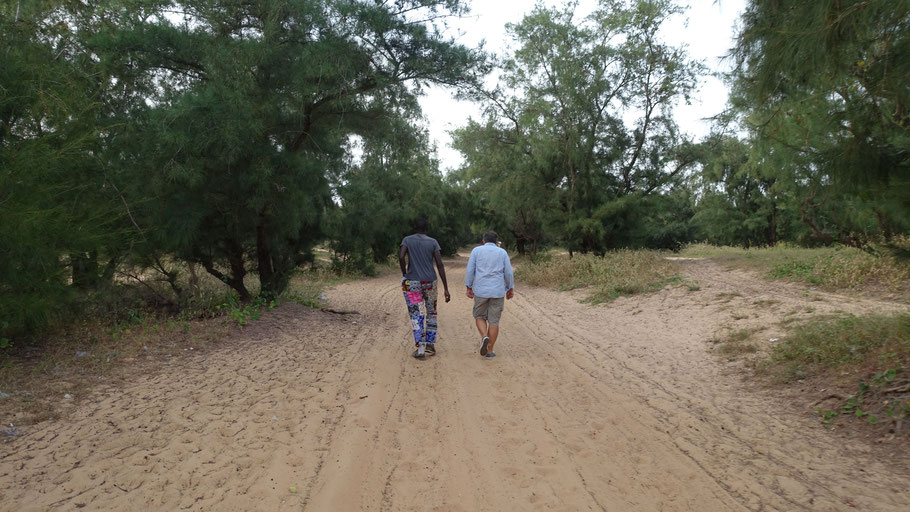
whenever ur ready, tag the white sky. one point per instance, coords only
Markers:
(706, 29)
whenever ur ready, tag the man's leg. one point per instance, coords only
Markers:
(413, 297)
(494, 312)
(430, 296)
(493, 333)
(481, 326)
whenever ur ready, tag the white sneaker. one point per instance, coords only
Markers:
(421, 349)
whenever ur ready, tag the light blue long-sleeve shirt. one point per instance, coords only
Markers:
(489, 272)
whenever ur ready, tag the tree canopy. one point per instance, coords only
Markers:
(822, 88)
(581, 123)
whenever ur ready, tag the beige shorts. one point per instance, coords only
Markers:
(489, 309)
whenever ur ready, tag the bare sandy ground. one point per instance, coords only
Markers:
(619, 407)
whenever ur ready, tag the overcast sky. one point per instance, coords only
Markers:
(706, 28)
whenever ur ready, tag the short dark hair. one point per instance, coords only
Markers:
(421, 225)
(490, 237)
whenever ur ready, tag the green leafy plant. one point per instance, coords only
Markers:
(827, 416)
(243, 314)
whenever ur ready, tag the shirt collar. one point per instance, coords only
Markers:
(489, 243)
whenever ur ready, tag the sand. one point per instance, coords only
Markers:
(618, 407)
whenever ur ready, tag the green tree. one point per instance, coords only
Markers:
(62, 224)
(246, 110)
(742, 200)
(583, 123)
(823, 87)
(395, 181)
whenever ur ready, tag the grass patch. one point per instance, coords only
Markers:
(875, 348)
(831, 268)
(736, 349)
(827, 343)
(618, 273)
(736, 342)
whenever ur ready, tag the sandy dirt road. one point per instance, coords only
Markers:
(618, 407)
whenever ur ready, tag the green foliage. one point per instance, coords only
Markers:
(396, 182)
(742, 202)
(135, 139)
(249, 111)
(822, 88)
(244, 313)
(555, 160)
(801, 270)
(868, 404)
(61, 222)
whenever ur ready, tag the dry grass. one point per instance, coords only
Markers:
(830, 268)
(734, 343)
(618, 273)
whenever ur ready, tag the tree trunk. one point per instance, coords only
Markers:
(264, 258)
(883, 225)
(772, 225)
(85, 269)
(238, 272)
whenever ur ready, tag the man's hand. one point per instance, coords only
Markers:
(448, 297)
(469, 293)
(510, 293)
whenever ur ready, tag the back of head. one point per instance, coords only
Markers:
(490, 237)
(421, 225)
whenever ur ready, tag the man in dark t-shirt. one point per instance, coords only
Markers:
(418, 283)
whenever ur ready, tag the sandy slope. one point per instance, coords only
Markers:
(618, 407)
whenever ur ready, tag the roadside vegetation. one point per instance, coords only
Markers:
(837, 349)
(881, 271)
(863, 361)
(615, 274)
(42, 376)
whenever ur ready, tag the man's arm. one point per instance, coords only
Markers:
(402, 252)
(469, 276)
(509, 277)
(442, 274)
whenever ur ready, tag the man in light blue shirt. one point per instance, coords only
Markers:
(489, 280)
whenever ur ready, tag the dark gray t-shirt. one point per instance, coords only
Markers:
(420, 257)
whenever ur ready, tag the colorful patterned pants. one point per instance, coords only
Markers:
(416, 292)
